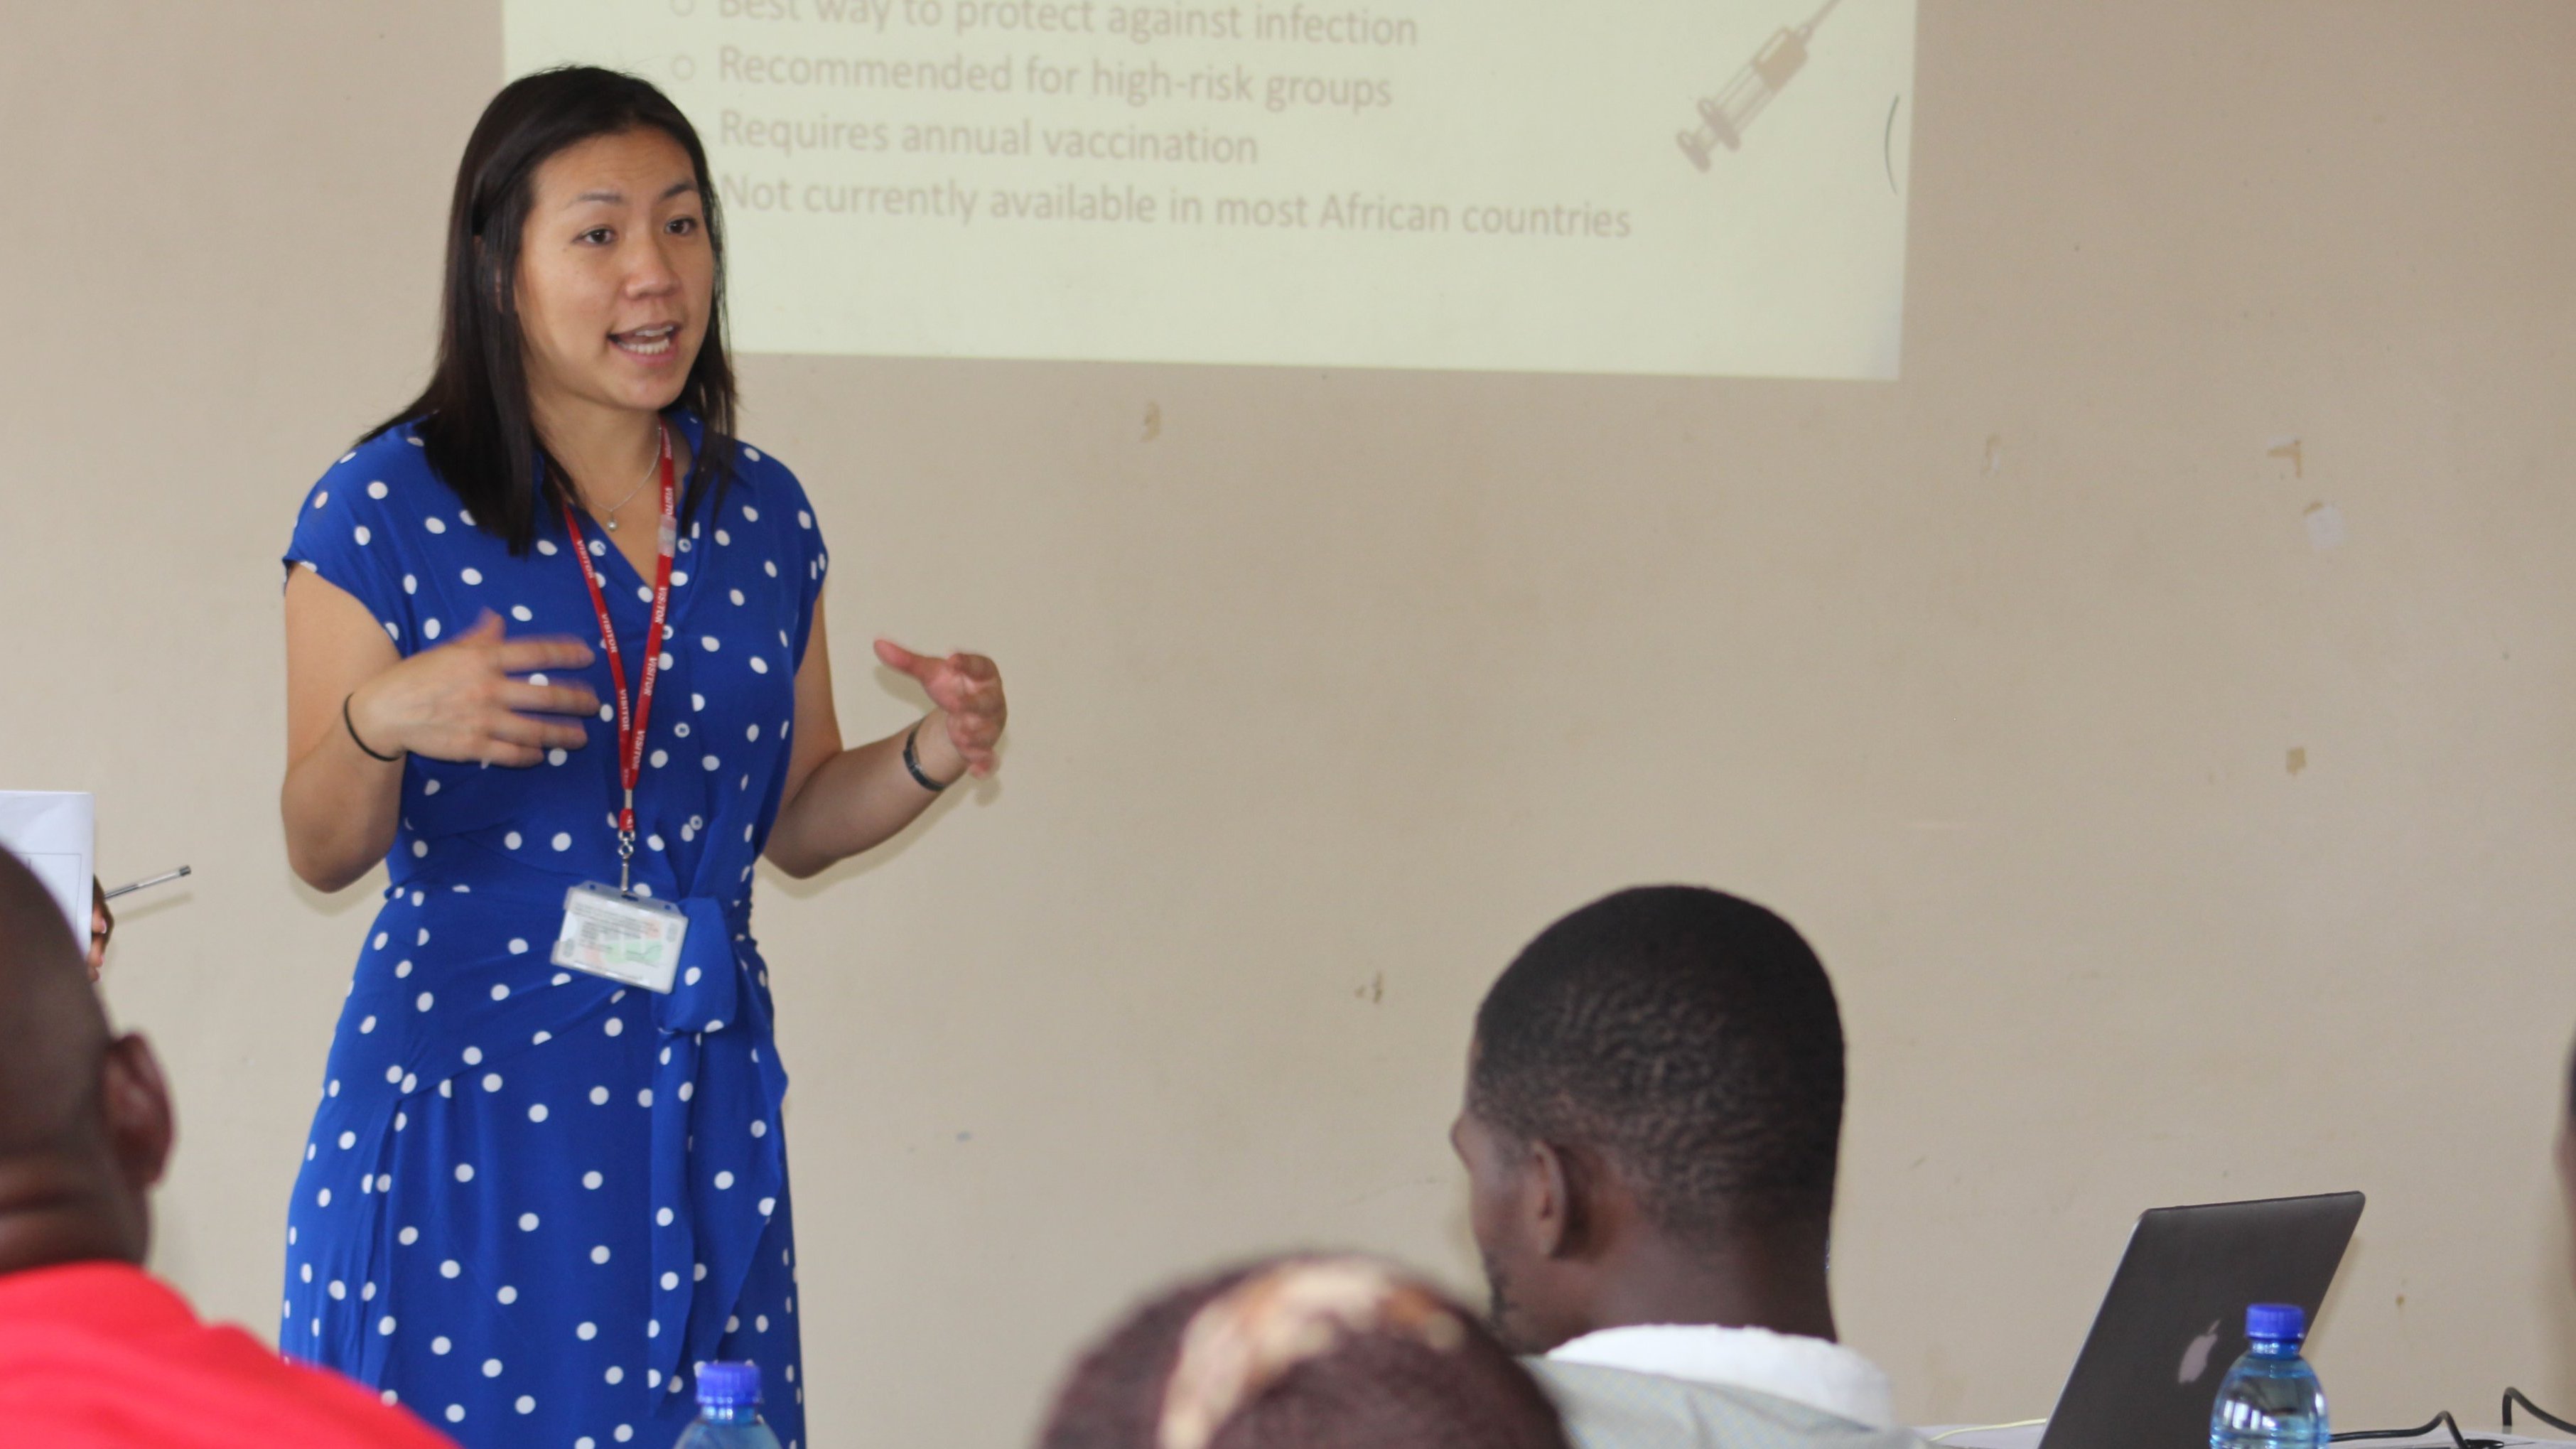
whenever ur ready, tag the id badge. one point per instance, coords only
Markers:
(633, 939)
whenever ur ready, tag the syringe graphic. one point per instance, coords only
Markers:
(1724, 116)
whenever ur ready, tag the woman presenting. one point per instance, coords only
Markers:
(555, 653)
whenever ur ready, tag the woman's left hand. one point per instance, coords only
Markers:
(968, 690)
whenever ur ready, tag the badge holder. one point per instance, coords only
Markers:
(610, 931)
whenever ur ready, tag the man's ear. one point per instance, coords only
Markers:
(1558, 1199)
(140, 1130)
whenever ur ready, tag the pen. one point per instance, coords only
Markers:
(149, 881)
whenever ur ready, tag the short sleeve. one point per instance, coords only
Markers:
(800, 536)
(818, 563)
(346, 534)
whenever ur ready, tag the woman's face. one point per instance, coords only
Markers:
(616, 277)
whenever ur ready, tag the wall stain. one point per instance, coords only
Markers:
(1994, 453)
(2291, 448)
(2325, 526)
(1153, 422)
(1375, 992)
(2298, 758)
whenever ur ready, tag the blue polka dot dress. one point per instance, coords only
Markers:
(534, 1202)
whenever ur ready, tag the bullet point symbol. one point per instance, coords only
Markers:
(682, 67)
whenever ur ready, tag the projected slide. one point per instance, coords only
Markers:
(1693, 187)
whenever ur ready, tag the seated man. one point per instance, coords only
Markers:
(94, 1352)
(1654, 1102)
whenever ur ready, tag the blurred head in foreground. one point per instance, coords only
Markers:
(1301, 1353)
(84, 1118)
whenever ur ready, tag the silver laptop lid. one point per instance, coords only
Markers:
(2174, 1318)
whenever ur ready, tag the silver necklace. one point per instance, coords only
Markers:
(610, 517)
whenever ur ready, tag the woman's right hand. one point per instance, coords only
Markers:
(458, 702)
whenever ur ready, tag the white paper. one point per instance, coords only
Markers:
(56, 833)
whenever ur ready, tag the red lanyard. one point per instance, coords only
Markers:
(631, 723)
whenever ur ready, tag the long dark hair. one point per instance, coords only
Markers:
(473, 418)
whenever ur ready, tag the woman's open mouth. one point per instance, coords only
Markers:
(649, 344)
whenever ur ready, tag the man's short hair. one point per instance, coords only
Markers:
(1688, 1036)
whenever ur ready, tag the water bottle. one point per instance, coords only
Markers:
(2270, 1399)
(729, 1410)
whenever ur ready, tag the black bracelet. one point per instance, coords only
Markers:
(911, 761)
(353, 732)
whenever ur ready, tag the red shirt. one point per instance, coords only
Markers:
(105, 1356)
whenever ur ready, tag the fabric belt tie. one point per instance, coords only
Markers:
(718, 1175)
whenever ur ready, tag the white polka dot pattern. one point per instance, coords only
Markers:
(514, 1228)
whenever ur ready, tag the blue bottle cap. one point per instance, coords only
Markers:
(728, 1385)
(2277, 1322)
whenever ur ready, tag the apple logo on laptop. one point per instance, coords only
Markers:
(2195, 1359)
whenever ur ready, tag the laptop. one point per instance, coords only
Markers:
(2174, 1318)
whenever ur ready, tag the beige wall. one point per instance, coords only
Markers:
(1339, 688)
